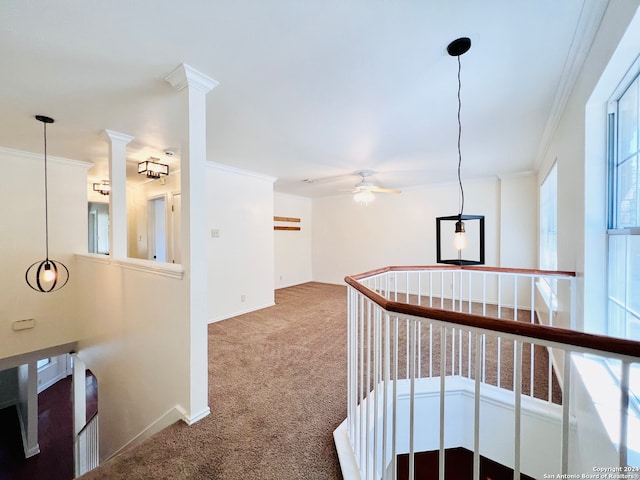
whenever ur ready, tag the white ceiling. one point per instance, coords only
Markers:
(308, 89)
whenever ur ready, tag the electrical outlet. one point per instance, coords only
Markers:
(215, 233)
(243, 298)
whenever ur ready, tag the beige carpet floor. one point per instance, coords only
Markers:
(277, 390)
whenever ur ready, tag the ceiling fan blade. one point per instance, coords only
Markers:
(332, 178)
(385, 190)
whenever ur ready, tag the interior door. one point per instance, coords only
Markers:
(98, 228)
(93, 231)
(176, 218)
(157, 228)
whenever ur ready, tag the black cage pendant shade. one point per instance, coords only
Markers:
(47, 275)
(466, 247)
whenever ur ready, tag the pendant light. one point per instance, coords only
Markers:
(103, 188)
(457, 48)
(48, 275)
(153, 168)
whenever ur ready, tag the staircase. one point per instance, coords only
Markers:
(452, 359)
(458, 465)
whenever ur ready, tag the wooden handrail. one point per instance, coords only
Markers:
(412, 268)
(86, 425)
(602, 343)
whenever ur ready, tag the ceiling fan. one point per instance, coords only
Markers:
(364, 190)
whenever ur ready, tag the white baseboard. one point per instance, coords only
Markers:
(191, 419)
(169, 417)
(348, 463)
(240, 312)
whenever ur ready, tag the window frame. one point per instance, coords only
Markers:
(631, 79)
(614, 231)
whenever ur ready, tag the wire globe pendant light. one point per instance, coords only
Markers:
(47, 275)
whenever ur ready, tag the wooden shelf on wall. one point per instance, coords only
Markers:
(285, 219)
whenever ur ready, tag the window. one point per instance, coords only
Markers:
(623, 256)
(43, 362)
(623, 239)
(549, 223)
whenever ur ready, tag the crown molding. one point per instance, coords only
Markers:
(524, 173)
(585, 32)
(112, 137)
(239, 171)
(10, 152)
(184, 76)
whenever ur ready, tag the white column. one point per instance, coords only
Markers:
(79, 389)
(193, 87)
(118, 197)
(28, 407)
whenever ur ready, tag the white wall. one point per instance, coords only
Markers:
(132, 324)
(519, 221)
(241, 257)
(135, 340)
(579, 145)
(581, 206)
(350, 238)
(292, 247)
(22, 242)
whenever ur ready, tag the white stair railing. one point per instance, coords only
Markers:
(415, 371)
(85, 447)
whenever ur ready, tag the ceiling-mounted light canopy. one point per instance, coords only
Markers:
(153, 168)
(459, 47)
(104, 187)
(48, 275)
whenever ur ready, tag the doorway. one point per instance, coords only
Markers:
(98, 228)
(176, 216)
(157, 229)
(52, 369)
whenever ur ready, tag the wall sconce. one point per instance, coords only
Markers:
(48, 275)
(460, 243)
(104, 187)
(152, 168)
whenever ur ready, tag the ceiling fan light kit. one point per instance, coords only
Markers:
(364, 191)
(460, 242)
(364, 196)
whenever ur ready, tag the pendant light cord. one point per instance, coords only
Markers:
(46, 195)
(459, 137)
